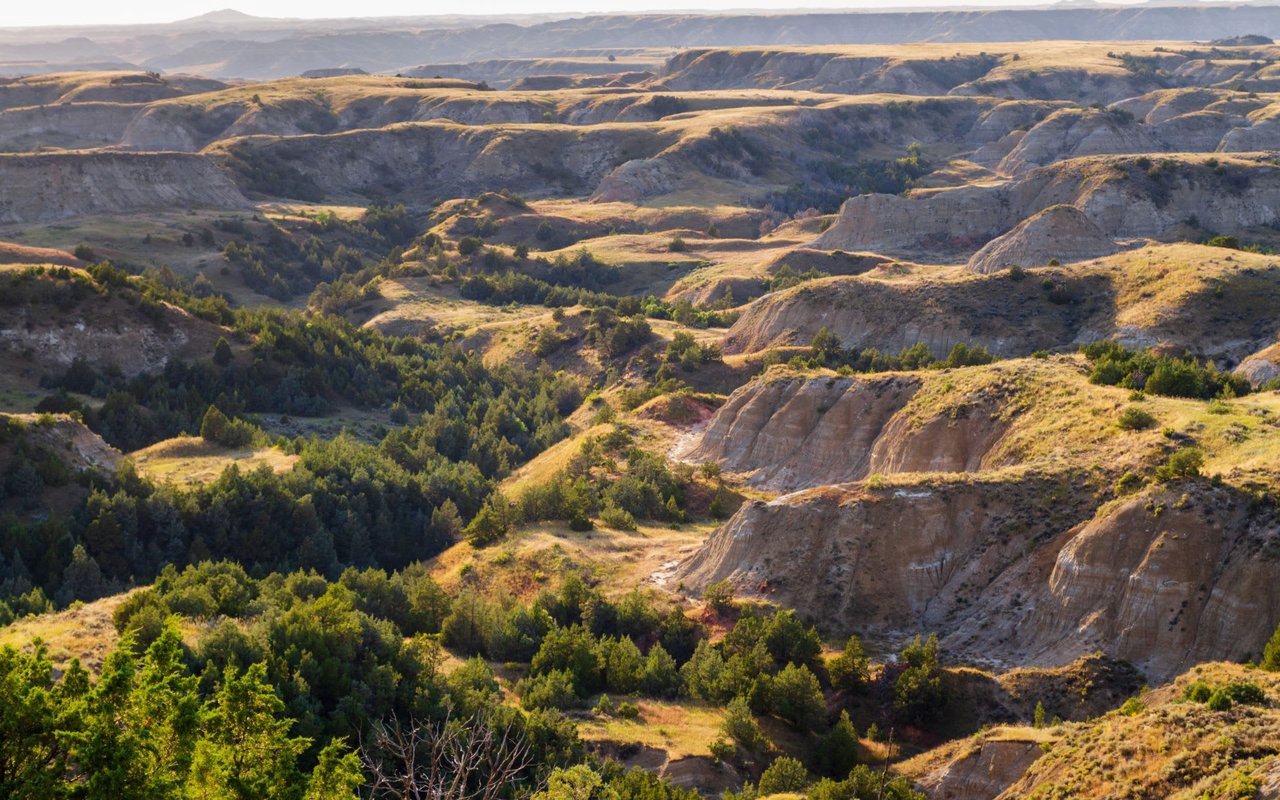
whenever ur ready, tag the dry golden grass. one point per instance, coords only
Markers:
(297, 210)
(544, 466)
(1170, 748)
(191, 460)
(421, 300)
(1045, 414)
(84, 632)
(539, 555)
(1164, 284)
(679, 728)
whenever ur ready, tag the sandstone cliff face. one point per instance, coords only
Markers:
(439, 160)
(66, 126)
(79, 447)
(1166, 581)
(1004, 573)
(43, 188)
(919, 555)
(1262, 366)
(105, 332)
(1064, 83)
(789, 433)
(1179, 121)
(1262, 135)
(1159, 295)
(982, 771)
(956, 502)
(1009, 116)
(796, 432)
(1063, 233)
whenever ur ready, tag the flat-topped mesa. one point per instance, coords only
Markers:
(826, 70)
(1060, 233)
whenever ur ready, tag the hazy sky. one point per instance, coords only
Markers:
(73, 12)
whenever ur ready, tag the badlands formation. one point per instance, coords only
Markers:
(639, 330)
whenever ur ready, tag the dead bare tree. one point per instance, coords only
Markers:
(468, 759)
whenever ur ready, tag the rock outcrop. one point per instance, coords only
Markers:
(1125, 197)
(1166, 579)
(78, 447)
(820, 70)
(1158, 295)
(1015, 570)
(983, 770)
(1076, 132)
(960, 504)
(441, 160)
(49, 187)
(106, 331)
(915, 555)
(1007, 317)
(1061, 233)
(794, 432)
(1261, 367)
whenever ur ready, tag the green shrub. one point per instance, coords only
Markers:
(604, 706)
(1198, 691)
(850, 670)
(574, 650)
(618, 519)
(550, 690)
(719, 595)
(1220, 700)
(661, 676)
(1182, 464)
(1246, 693)
(919, 693)
(721, 750)
(1135, 419)
(1114, 365)
(1128, 483)
(838, 750)
(1271, 653)
(216, 427)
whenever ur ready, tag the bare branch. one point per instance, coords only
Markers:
(446, 760)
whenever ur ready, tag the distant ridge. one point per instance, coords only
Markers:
(223, 16)
(231, 44)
